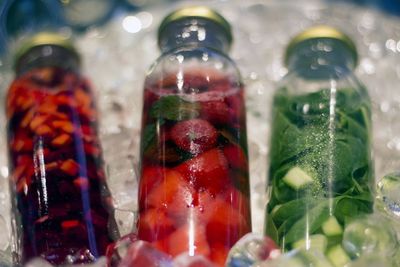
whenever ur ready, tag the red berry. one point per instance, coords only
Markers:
(150, 177)
(215, 111)
(238, 201)
(173, 194)
(226, 224)
(154, 225)
(194, 136)
(189, 238)
(236, 157)
(208, 170)
(219, 253)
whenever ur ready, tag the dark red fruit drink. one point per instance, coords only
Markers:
(61, 202)
(194, 187)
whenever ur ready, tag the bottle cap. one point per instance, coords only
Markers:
(202, 12)
(321, 32)
(44, 38)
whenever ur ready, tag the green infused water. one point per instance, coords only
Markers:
(321, 173)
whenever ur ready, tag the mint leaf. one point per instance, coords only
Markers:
(149, 135)
(174, 108)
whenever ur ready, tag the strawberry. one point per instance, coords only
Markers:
(151, 176)
(219, 253)
(154, 225)
(226, 225)
(173, 194)
(188, 238)
(208, 170)
(237, 159)
(216, 112)
(194, 136)
(238, 201)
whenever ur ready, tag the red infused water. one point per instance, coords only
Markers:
(60, 198)
(194, 187)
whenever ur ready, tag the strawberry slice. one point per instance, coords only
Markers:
(194, 136)
(208, 170)
(151, 176)
(216, 112)
(236, 157)
(238, 201)
(219, 253)
(189, 238)
(226, 225)
(154, 225)
(173, 194)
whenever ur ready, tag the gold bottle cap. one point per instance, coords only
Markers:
(44, 38)
(196, 12)
(321, 32)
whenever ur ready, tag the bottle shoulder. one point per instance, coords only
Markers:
(194, 61)
(295, 83)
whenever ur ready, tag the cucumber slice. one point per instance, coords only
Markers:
(317, 242)
(338, 256)
(297, 178)
(331, 227)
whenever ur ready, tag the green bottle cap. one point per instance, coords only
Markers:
(321, 32)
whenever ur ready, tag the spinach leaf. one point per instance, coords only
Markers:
(172, 107)
(292, 209)
(310, 222)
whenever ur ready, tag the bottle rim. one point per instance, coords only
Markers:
(321, 32)
(196, 12)
(42, 39)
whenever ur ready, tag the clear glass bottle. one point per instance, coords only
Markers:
(321, 173)
(194, 187)
(61, 203)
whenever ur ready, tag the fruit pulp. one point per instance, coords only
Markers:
(60, 197)
(194, 187)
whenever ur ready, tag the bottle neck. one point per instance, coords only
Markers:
(321, 59)
(195, 32)
(47, 56)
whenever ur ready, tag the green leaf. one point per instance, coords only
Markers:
(310, 222)
(271, 230)
(292, 209)
(149, 134)
(174, 108)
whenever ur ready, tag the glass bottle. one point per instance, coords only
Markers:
(321, 174)
(61, 204)
(194, 186)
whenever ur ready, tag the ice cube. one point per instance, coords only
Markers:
(185, 260)
(298, 258)
(125, 220)
(388, 194)
(5, 259)
(142, 253)
(372, 261)
(372, 234)
(250, 249)
(38, 262)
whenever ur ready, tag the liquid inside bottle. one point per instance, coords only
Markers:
(60, 198)
(194, 188)
(321, 172)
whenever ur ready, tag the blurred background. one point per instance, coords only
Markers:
(21, 16)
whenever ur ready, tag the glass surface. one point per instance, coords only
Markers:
(321, 173)
(194, 187)
(61, 202)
